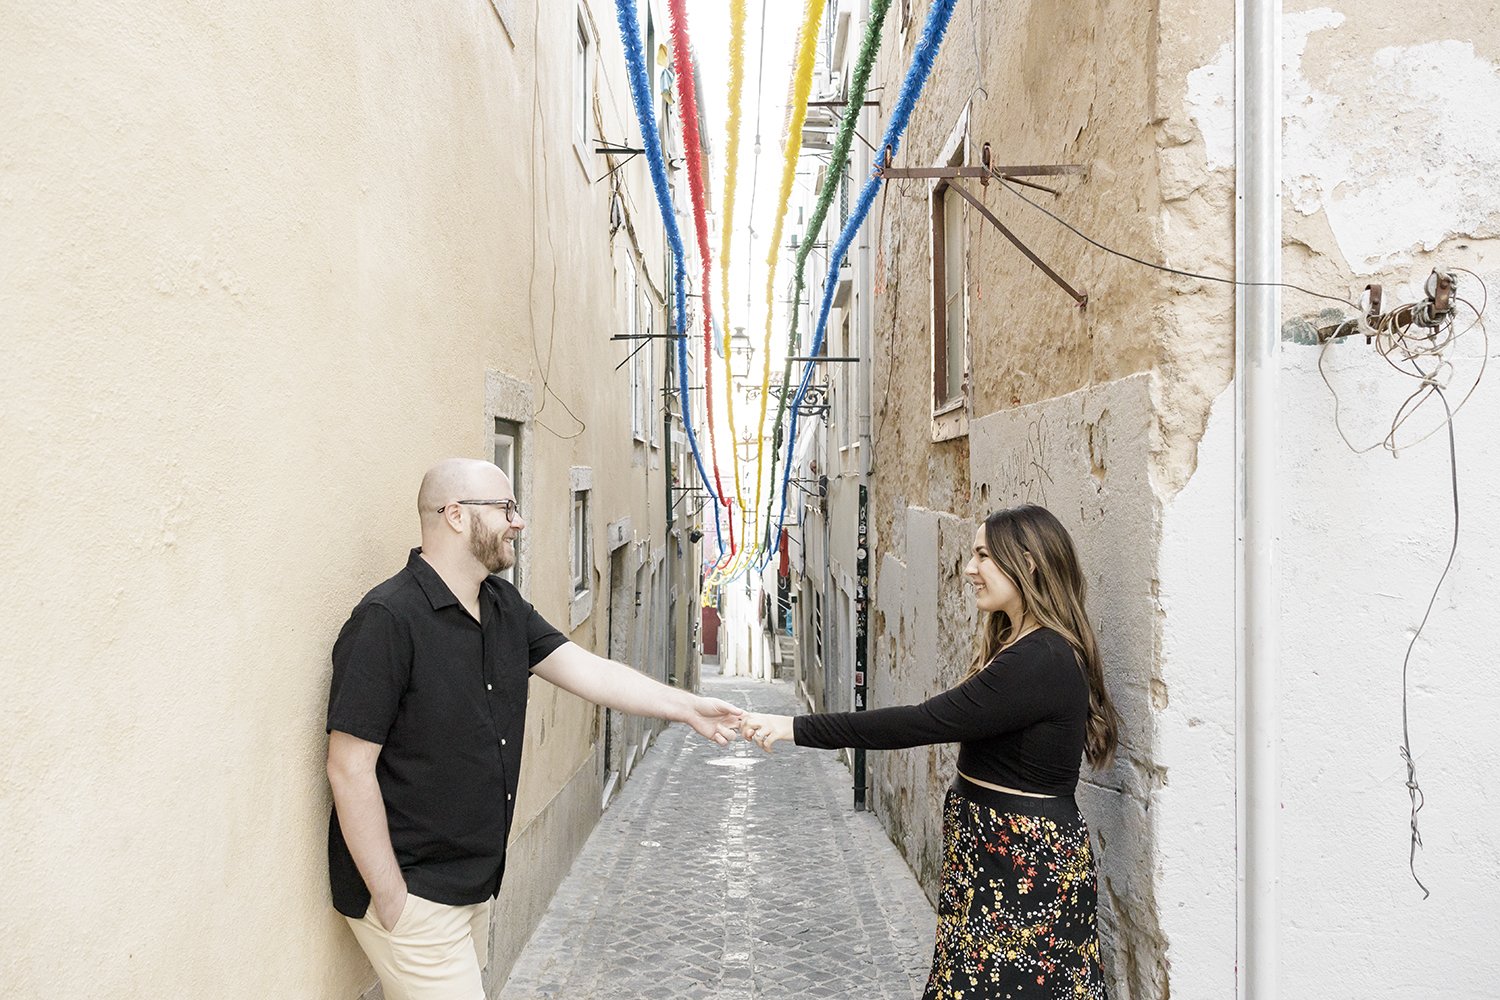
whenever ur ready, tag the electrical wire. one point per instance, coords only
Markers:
(1414, 790)
(1006, 183)
(544, 369)
(1405, 351)
(1417, 344)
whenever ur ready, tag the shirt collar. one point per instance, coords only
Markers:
(438, 594)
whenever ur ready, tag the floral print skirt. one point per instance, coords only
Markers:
(1016, 914)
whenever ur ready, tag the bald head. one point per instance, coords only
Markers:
(459, 479)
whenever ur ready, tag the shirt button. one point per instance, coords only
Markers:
(507, 796)
(489, 687)
(502, 742)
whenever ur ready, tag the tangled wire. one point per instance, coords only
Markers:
(1417, 341)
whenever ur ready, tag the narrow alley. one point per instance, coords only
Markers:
(410, 407)
(728, 873)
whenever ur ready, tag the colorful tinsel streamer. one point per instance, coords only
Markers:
(692, 143)
(925, 53)
(807, 51)
(859, 82)
(641, 96)
(731, 177)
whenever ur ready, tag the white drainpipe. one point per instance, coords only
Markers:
(1257, 378)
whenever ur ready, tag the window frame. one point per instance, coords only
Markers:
(639, 347)
(950, 404)
(579, 549)
(582, 86)
(946, 244)
(509, 431)
(580, 544)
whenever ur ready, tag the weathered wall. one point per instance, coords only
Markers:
(1390, 165)
(258, 265)
(1363, 541)
(1364, 538)
(1042, 83)
(1084, 456)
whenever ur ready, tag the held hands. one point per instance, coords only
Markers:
(714, 719)
(721, 722)
(766, 730)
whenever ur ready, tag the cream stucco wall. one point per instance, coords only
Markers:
(258, 266)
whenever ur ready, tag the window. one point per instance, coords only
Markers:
(847, 417)
(582, 53)
(638, 326)
(949, 281)
(653, 415)
(582, 554)
(507, 448)
(817, 630)
(580, 546)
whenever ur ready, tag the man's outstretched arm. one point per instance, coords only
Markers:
(617, 686)
(361, 812)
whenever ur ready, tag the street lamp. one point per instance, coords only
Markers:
(739, 345)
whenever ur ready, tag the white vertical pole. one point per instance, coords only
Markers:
(1257, 380)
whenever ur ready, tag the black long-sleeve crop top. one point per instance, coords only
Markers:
(1019, 722)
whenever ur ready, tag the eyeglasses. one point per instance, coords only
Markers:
(511, 509)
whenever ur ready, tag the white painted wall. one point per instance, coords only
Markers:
(1363, 542)
(1391, 159)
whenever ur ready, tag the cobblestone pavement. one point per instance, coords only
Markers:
(729, 873)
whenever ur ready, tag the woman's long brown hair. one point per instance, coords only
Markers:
(1052, 595)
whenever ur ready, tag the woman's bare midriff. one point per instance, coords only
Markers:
(1002, 788)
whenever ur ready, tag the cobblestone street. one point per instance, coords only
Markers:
(727, 873)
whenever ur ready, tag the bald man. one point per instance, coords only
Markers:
(426, 713)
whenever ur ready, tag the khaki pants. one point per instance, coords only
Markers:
(434, 952)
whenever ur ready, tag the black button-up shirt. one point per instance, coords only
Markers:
(445, 696)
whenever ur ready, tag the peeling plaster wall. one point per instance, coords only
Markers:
(1363, 541)
(1196, 832)
(1070, 82)
(921, 641)
(1085, 456)
(1391, 165)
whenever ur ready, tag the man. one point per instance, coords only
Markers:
(426, 711)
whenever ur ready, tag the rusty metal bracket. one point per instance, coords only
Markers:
(1080, 297)
(984, 172)
(1430, 314)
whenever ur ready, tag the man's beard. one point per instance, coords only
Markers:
(490, 549)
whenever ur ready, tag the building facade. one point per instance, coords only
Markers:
(262, 268)
(985, 384)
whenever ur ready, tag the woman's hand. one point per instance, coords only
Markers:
(765, 730)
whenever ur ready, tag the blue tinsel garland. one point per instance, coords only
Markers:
(917, 73)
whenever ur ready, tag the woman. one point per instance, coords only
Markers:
(1016, 912)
